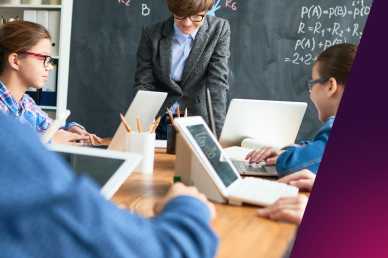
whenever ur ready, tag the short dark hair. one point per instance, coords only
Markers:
(336, 62)
(19, 36)
(189, 7)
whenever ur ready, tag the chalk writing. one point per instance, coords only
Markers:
(145, 10)
(215, 8)
(322, 27)
(232, 6)
(126, 2)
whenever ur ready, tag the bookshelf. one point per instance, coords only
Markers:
(66, 9)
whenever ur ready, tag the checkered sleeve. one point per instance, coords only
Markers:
(43, 121)
(67, 126)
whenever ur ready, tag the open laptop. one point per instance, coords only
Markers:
(109, 169)
(275, 122)
(220, 169)
(146, 105)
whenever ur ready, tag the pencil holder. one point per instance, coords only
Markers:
(171, 139)
(143, 143)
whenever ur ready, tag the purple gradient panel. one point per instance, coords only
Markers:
(347, 214)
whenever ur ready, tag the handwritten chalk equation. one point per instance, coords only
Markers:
(299, 59)
(335, 30)
(337, 11)
(316, 33)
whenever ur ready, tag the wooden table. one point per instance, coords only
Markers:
(242, 233)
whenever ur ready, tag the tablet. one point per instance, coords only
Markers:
(109, 169)
(209, 152)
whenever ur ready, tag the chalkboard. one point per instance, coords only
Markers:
(273, 48)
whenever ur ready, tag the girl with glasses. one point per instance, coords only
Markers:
(184, 55)
(25, 62)
(330, 74)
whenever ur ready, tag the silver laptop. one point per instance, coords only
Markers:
(146, 105)
(275, 122)
(109, 169)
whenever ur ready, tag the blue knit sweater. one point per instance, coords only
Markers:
(48, 211)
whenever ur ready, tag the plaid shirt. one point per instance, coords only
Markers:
(27, 112)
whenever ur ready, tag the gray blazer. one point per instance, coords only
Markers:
(206, 67)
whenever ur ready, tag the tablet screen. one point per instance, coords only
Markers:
(99, 168)
(213, 154)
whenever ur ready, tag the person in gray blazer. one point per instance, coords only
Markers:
(183, 56)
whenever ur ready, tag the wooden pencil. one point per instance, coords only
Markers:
(156, 125)
(138, 124)
(129, 130)
(171, 117)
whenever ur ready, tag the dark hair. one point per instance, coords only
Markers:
(19, 36)
(189, 7)
(336, 62)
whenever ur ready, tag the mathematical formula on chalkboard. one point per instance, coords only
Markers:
(315, 37)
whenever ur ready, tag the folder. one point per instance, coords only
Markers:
(48, 94)
(34, 94)
(42, 18)
(54, 25)
(29, 15)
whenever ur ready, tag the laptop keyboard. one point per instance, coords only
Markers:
(244, 166)
(259, 191)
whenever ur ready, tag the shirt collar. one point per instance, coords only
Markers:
(8, 99)
(181, 37)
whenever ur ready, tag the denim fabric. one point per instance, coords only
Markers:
(308, 157)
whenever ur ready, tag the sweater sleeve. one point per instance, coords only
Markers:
(46, 210)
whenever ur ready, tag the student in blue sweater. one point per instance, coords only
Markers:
(326, 87)
(46, 210)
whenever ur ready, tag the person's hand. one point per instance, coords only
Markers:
(92, 137)
(302, 179)
(267, 154)
(288, 208)
(179, 189)
(68, 138)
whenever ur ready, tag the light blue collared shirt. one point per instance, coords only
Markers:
(181, 47)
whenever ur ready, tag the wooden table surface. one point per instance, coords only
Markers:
(242, 233)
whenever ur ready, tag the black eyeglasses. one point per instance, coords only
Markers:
(309, 84)
(193, 18)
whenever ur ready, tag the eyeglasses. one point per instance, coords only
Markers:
(47, 60)
(193, 18)
(309, 84)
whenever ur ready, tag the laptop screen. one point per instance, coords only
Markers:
(99, 168)
(213, 154)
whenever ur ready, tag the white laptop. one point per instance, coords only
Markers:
(109, 169)
(146, 105)
(220, 169)
(275, 122)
